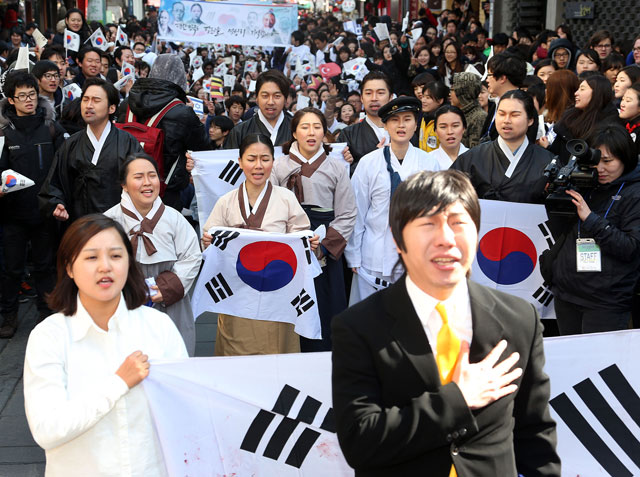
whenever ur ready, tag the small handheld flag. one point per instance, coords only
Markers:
(127, 69)
(71, 91)
(13, 181)
(121, 37)
(98, 40)
(71, 40)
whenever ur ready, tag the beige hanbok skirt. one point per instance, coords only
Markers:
(243, 336)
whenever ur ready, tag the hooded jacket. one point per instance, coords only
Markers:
(566, 44)
(618, 236)
(182, 129)
(30, 146)
(467, 87)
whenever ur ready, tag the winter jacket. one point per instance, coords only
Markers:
(183, 130)
(618, 236)
(29, 148)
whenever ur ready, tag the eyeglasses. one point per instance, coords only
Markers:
(561, 55)
(637, 50)
(51, 76)
(22, 97)
(606, 47)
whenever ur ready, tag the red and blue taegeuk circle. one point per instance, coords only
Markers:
(99, 41)
(10, 181)
(266, 266)
(506, 255)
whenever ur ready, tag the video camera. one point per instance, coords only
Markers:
(579, 174)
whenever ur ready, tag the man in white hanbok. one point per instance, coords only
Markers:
(371, 251)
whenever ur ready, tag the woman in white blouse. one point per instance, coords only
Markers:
(83, 364)
(449, 125)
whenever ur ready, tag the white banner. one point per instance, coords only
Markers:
(512, 237)
(271, 415)
(218, 172)
(260, 275)
(268, 416)
(594, 399)
(224, 22)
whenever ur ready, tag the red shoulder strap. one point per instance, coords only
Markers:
(156, 118)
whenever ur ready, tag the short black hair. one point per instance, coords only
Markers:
(425, 194)
(42, 67)
(253, 139)
(19, 79)
(52, 50)
(525, 99)
(124, 168)
(223, 122)
(377, 75)
(422, 79)
(118, 53)
(437, 90)
(231, 100)
(592, 55)
(619, 143)
(538, 91)
(447, 108)
(274, 76)
(87, 49)
(239, 88)
(112, 93)
(509, 65)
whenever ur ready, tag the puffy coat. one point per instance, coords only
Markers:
(182, 129)
(618, 236)
(30, 146)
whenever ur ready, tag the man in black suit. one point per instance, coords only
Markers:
(419, 383)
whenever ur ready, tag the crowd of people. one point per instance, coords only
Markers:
(113, 200)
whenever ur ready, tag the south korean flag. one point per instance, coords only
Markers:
(261, 276)
(215, 174)
(512, 237)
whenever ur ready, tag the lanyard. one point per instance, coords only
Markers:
(613, 199)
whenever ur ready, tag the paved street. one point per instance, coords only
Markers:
(20, 456)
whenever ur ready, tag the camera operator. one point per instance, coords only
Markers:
(595, 271)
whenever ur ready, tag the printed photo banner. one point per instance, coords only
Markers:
(229, 23)
(277, 420)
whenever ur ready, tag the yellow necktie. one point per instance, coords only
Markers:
(448, 350)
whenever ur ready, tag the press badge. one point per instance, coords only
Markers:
(588, 255)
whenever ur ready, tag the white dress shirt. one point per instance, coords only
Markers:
(79, 411)
(458, 307)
